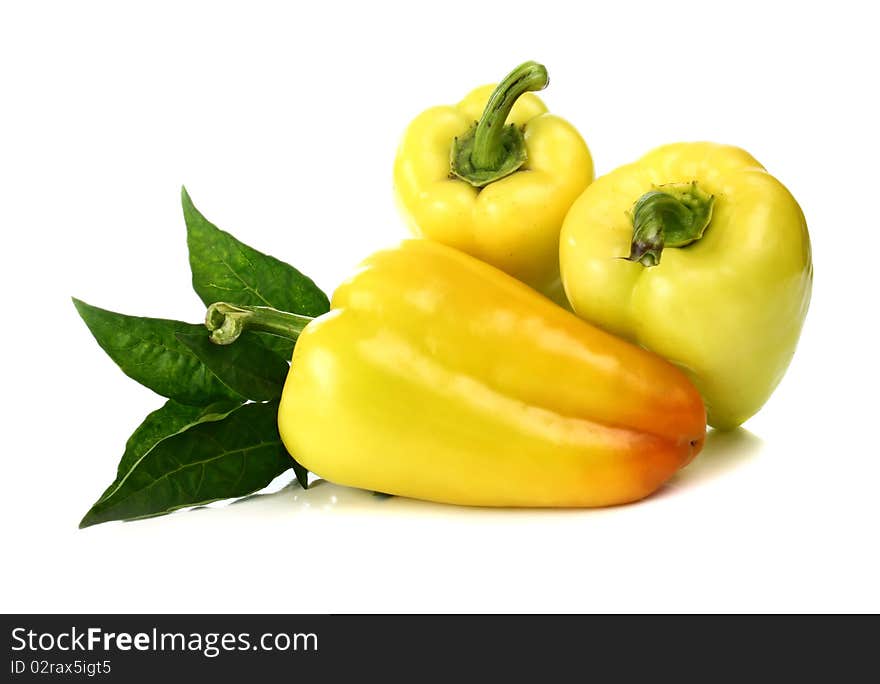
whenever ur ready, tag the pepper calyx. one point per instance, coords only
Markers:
(673, 215)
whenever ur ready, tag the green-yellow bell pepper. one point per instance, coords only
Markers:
(697, 253)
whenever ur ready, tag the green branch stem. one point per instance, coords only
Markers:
(227, 322)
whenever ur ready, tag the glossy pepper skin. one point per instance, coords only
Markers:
(511, 222)
(438, 377)
(726, 307)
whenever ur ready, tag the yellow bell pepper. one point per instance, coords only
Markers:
(697, 253)
(498, 192)
(437, 376)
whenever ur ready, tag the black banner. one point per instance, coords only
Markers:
(134, 648)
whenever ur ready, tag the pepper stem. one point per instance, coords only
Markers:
(673, 215)
(490, 150)
(228, 321)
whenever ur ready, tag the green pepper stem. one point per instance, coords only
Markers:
(673, 215)
(228, 321)
(490, 150)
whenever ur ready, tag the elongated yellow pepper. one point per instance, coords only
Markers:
(498, 192)
(437, 376)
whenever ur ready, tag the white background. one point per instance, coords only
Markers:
(282, 120)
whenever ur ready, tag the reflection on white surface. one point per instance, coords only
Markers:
(323, 495)
(286, 497)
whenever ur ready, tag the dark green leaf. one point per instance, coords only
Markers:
(219, 459)
(302, 475)
(147, 350)
(224, 269)
(161, 423)
(246, 367)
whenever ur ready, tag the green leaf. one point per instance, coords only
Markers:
(161, 423)
(147, 350)
(235, 455)
(302, 474)
(246, 367)
(224, 269)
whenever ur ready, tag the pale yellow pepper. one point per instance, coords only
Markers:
(698, 254)
(497, 192)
